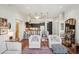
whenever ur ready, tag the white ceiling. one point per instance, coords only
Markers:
(51, 10)
(41, 9)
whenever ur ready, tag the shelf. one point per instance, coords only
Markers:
(3, 27)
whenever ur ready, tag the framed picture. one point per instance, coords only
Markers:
(3, 26)
(3, 22)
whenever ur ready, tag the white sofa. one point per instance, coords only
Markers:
(35, 41)
(3, 37)
(7, 47)
(10, 48)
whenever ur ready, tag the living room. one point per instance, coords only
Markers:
(39, 29)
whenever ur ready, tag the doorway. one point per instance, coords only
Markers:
(70, 31)
(17, 30)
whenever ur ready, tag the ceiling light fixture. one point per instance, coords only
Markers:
(36, 17)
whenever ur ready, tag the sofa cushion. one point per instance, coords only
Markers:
(14, 46)
(2, 47)
(59, 49)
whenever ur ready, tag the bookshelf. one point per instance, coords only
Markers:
(70, 31)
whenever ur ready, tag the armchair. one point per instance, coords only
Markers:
(34, 41)
(54, 39)
(55, 43)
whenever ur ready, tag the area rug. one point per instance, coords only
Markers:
(37, 51)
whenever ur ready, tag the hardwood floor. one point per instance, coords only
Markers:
(43, 50)
(44, 44)
(25, 44)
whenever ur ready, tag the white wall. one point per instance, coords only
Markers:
(74, 13)
(22, 28)
(11, 15)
